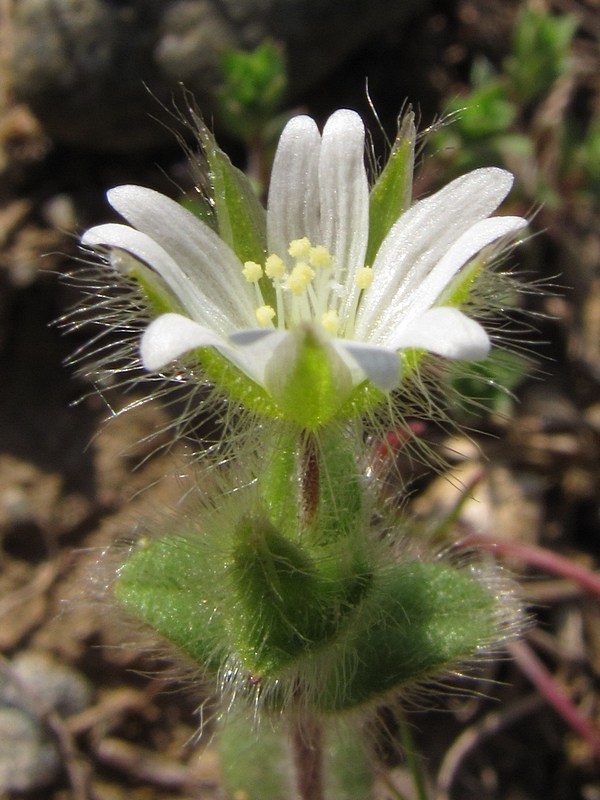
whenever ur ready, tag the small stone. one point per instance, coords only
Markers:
(29, 759)
(56, 686)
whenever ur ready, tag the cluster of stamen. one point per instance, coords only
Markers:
(304, 292)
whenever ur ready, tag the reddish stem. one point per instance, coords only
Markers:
(307, 748)
(310, 478)
(554, 694)
(537, 557)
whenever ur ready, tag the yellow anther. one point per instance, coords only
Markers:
(264, 315)
(364, 277)
(299, 248)
(299, 278)
(252, 271)
(274, 267)
(320, 256)
(331, 322)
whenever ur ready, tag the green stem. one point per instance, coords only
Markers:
(412, 762)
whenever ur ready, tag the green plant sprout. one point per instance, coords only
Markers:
(249, 102)
(294, 588)
(504, 116)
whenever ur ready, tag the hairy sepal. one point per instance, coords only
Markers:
(241, 217)
(392, 192)
(307, 379)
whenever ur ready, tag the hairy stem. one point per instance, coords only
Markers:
(307, 734)
(307, 747)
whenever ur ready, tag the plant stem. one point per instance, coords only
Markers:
(554, 694)
(412, 761)
(310, 478)
(307, 747)
(307, 733)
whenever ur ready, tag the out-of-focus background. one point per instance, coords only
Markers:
(91, 92)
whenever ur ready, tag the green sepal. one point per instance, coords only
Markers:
(392, 193)
(156, 293)
(164, 583)
(348, 403)
(240, 215)
(237, 386)
(458, 292)
(307, 379)
(418, 618)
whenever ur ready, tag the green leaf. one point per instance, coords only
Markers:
(418, 618)
(253, 88)
(541, 52)
(280, 606)
(487, 384)
(164, 584)
(392, 192)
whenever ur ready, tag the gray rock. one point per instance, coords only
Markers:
(29, 756)
(55, 685)
(82, 64)
(29, 759)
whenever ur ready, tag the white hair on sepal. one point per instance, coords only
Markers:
(113, 307)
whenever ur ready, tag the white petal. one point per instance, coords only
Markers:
(145, 249)
(445, 331)
(420, 238)
(426, 294)
(198, 251)
(344, 197)
(172, 335)
(256, 348)
(382, 367)
(293, 205)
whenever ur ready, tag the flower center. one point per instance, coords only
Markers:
(306, 291)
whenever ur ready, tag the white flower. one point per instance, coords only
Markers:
(314, 269)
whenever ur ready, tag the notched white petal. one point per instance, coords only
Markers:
(447, 332)
(209, 264)
(170, 336)
(420, 239)
(381, 366)
(145, 249)
(428, 292)
(293, 203)
(344, 199)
